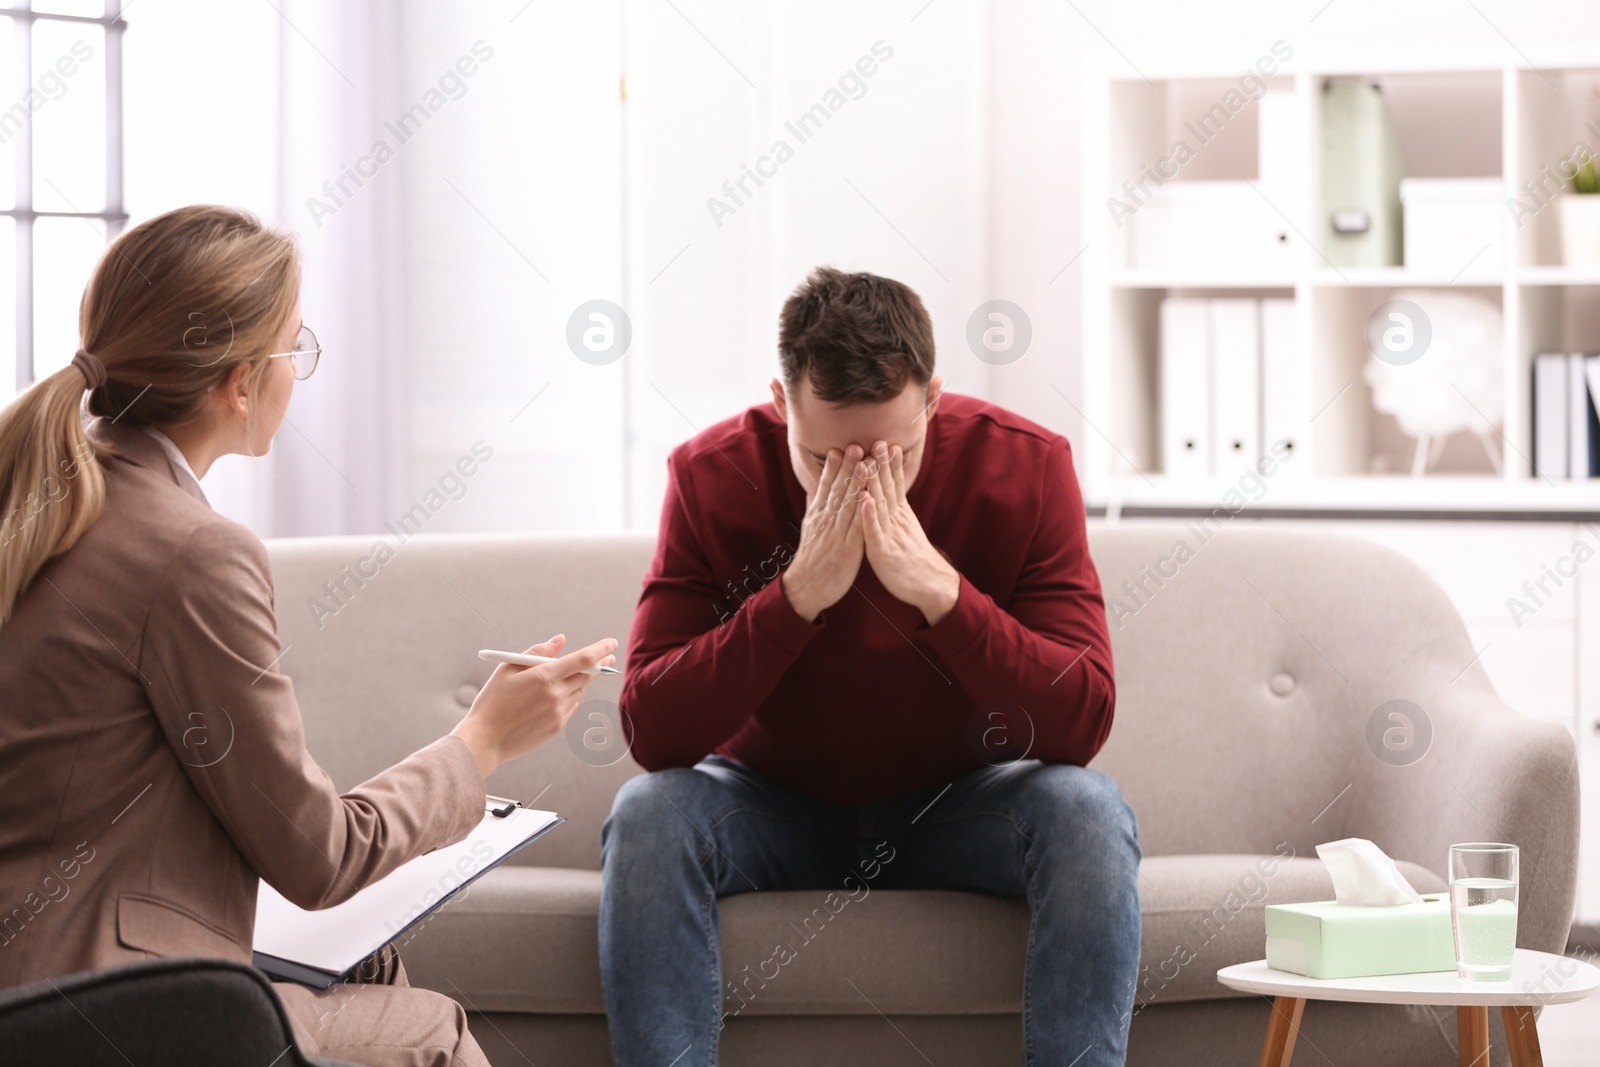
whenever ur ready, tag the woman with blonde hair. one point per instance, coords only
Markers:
(129, 611)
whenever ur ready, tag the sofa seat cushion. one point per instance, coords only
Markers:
(526, 939)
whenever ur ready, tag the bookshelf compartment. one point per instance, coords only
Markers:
(1350, 435)
(1558, 119)
(1192, 137)
(1141, 389)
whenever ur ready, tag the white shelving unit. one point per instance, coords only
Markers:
(1494, 112)
(1504, 120)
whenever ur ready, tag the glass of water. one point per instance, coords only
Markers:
(1483, 909)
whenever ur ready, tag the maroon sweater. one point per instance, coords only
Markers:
(870, 702)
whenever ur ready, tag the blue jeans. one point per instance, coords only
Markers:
(1060, 836)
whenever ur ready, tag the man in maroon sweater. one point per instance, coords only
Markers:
(871, 649)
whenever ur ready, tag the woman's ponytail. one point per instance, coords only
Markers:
(51, 484)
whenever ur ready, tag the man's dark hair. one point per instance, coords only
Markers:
(859, 338)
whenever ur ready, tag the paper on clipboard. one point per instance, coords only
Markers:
(318, 948)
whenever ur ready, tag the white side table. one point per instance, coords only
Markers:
(1537, 978)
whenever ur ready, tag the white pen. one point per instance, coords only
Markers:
(524, 660)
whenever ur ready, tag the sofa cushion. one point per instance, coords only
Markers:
(526, 939)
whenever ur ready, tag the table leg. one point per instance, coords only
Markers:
(1472, 1030)
(1522, 1035)
(1282, 1029)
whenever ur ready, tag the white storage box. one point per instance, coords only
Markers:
(1222, 228)
(1454, 225)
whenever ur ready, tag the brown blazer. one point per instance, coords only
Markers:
(152, 760)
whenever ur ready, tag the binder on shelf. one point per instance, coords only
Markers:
(1582, 438)
(1185, 389)
(1235, 385)
(1550, 414)
(1584, 430)
(1281, 381)
(319, 948)
(1361, 172)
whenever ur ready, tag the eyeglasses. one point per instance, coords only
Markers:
(305, 355)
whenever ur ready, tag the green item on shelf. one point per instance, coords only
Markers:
(1325, 939)
(1361, 172)
(1586, 179)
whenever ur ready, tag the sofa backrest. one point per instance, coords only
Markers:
(1249, 664)
(396, 666)
(1251, 667)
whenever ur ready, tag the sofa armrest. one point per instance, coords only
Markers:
(1489, 773)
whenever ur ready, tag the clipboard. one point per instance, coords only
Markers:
(319, 948)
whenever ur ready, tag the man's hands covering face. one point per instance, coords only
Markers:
(825, 565)
(859, 509)
(902, 557)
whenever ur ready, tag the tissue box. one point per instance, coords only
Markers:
(1329, 940)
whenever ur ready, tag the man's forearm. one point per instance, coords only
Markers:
(1059, 673)
(698, 692)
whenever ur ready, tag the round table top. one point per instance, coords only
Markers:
(1536, 978)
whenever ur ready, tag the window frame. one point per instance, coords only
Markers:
(114, 214)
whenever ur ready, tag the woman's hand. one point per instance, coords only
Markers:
(520, 708)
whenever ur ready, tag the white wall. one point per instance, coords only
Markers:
(511, 198)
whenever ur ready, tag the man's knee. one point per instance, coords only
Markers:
(654, 810)
(1078, 803)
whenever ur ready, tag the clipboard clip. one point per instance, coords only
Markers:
(506, 805)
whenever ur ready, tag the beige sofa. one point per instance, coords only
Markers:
(1248, 676)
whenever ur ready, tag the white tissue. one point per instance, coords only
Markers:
(1363, 875)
